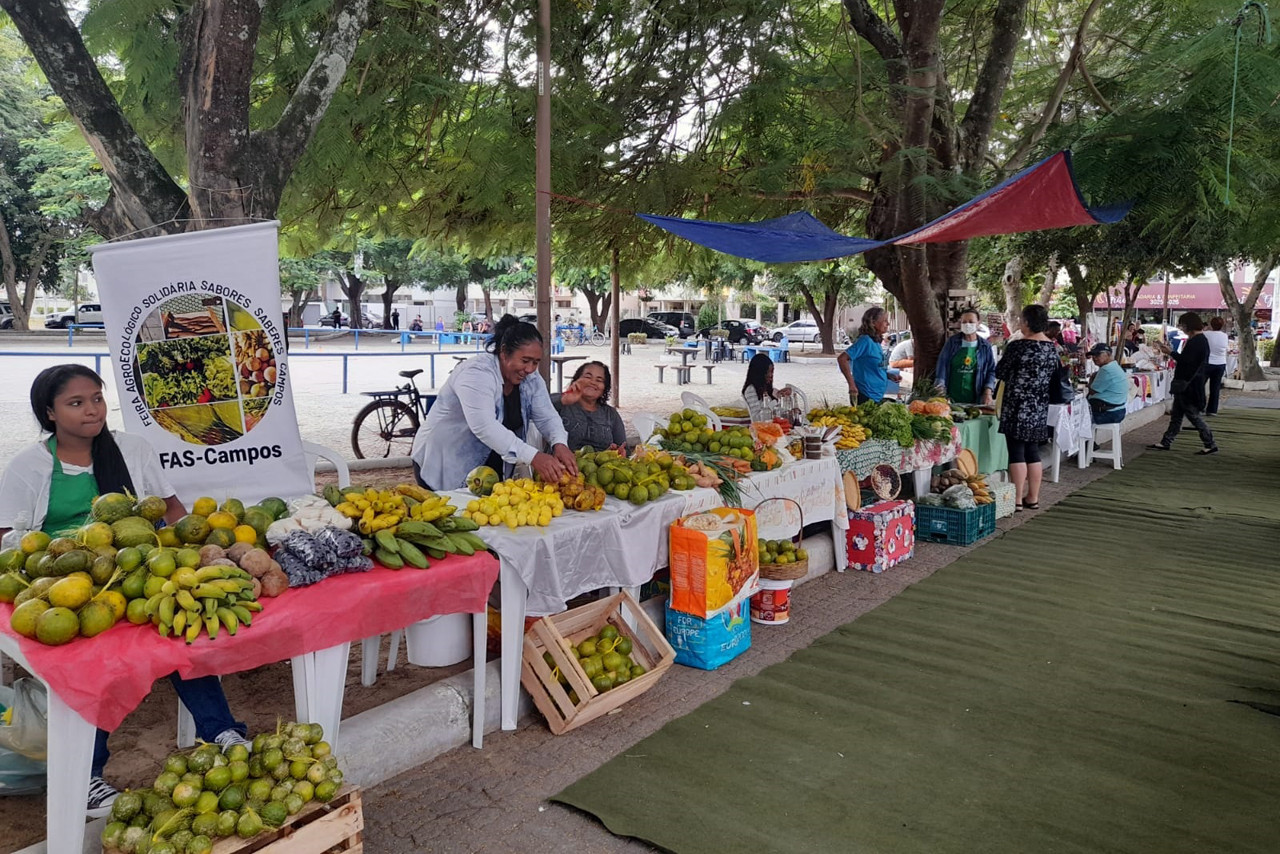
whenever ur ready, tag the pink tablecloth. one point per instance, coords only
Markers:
(106, 677)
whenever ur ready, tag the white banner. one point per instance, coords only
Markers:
(196, 335)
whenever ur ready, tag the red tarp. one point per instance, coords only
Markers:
(106, 677)
(1185, 297)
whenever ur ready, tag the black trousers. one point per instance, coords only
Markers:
(1183, 408)
(1215, 374)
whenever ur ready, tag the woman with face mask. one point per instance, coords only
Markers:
(966, 368)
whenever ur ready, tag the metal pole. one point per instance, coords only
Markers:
(615, 296)
(542, 181)
(344, 373)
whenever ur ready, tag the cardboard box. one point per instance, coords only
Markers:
(711, 642)
(714, 557)
(881, 535)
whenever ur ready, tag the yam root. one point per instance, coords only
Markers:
(274, 583)
(239, 550)
(210, 553)
(257, 588)
(256, 562)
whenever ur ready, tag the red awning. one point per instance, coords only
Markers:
(1185, 297)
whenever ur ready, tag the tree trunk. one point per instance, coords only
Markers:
(460, 296)
(353, 288)
(298, 304)
(1242, 314)
(1084, 299)
(1012, 284)
(598, 304)
(488, 300)
(20, 302)
(1050, 281)
(388, 294)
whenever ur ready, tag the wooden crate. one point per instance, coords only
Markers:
(556, 633)
(316, 829)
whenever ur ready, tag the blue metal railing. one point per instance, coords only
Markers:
(406, 336)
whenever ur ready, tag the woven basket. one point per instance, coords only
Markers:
(787, 571)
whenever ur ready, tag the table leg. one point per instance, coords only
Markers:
(304, 678)
(330, 685)
(514, 596)
(369, 648)
(838, 544)
(1055, 460)
(921, 478)
(70, 763)
(479, 638)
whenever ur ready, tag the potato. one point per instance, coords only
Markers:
(256, 562)
(223, 561)
(257, 587)
(274, 583)
(210, 553)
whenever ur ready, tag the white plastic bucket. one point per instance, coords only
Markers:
(439, 641)
(772, 605)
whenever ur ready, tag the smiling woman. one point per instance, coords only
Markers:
(590, 421)
(483, 410)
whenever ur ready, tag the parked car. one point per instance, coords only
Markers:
(6, 316)
(681, 320)
(651, 328)
(749, 331)
(801, 331)
(88, 314)
(369, 322)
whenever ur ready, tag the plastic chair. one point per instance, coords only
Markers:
(797, 394)
(645, 423)
(1105, 433)
(696, 403)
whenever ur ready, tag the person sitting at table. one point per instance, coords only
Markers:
(481, 413)
(416, 326)
(1109, 389)
(864, 362)
(588, 419)
(50, 486)
(966, 368)
(764, 402)
(903, 354)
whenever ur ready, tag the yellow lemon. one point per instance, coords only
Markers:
(222, 519)
(204, 506)
(246, 534)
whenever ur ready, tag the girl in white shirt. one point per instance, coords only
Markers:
(1217, 367)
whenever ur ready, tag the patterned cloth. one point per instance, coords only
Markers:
(1026, 369)
(874, 452)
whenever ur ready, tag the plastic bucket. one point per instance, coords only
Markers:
(439, 641)
(772, 605)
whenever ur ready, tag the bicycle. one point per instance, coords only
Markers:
(577, 335)
(387, 425)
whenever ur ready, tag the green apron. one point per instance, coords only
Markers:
(70, 497)
(962, 381)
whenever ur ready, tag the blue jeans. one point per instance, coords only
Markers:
(1111, 416)
(1215, 373)
(205, 700)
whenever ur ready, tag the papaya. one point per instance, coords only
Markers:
(152, 508)
(72, 561)
(192, 529)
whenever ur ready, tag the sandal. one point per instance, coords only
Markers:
(1017, 507)
(1031, 505)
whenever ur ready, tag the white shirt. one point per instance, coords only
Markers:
(1217, 346)
(24, 488)
(466, 422)
(903, 350)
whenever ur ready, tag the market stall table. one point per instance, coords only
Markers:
(1072, 424)
(622, 545)
(97, 682)
(919, 459)
(559, 361)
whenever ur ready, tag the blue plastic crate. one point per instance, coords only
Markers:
(955, 527)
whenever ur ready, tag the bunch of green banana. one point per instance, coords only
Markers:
(210, 598)
(446, 536)
(395, 552)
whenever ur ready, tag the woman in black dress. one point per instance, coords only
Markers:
(1026, 368)
(1188, 385)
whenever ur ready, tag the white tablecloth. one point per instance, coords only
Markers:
(1071, 423)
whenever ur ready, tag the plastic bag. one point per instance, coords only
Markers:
(27, 735)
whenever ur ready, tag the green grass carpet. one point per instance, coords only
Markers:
(1103, 678)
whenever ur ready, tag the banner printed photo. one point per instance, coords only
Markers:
(194, 327)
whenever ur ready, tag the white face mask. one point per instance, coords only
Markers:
(969, 328)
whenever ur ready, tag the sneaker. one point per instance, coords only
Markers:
(1159, 446)
(229, 738)
(101, 796)
(1204, 452)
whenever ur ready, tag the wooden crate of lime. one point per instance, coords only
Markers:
(590, 660)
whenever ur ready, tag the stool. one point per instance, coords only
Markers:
(709, 369)
(661, 368)
(682, 373)
(1102, 433)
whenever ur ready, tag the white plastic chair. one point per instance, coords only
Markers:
(697, 404)
(797, 394)
(1105, 433)
(645, 423)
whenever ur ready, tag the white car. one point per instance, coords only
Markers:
(801, 331)
(89, 314)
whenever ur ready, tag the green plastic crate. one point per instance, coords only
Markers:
(955, 527)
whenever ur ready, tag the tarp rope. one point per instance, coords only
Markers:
(1264, 37)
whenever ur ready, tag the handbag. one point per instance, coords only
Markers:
(1060, 390)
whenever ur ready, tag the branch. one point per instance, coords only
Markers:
(1019, 157)
(802, 195)
(145, 195)
(1088, 81)
(1260, 282)
(975, 128)
(282, 145)
(879, 35)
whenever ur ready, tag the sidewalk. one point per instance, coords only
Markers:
(495, 800)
